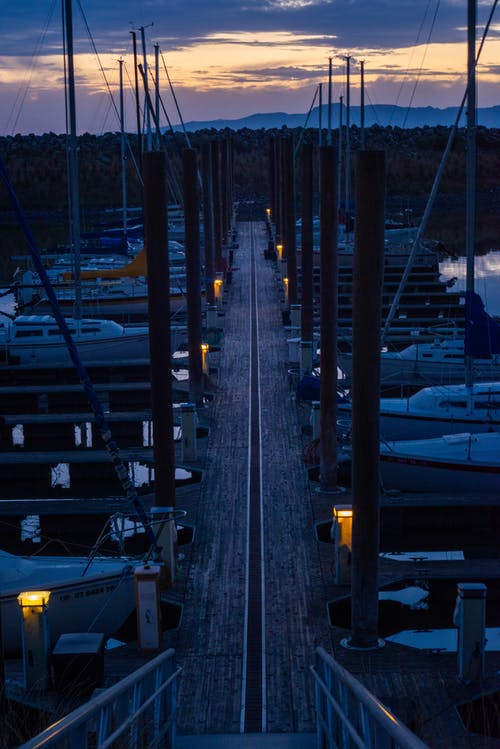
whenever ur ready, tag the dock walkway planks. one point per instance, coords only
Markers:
(210, 640)
(421, 687)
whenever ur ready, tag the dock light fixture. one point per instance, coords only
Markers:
(279, 250)
(205, 348)
(35, 638)
(470, 618)
(341, 535)
(284, 268)
(285, 284)
(31, 598)
(268, 213)
(147, 597)
(218, 291)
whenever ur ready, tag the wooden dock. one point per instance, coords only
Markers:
(252, 395)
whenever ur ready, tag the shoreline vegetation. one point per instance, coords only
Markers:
(37, 168)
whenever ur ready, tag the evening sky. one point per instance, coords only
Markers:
(230, 58)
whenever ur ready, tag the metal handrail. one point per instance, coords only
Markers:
(71, 730)
(371, 712)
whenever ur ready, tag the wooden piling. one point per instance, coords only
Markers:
(224, 190)
(307, 244)
(328, 317)
(216, 198)
(193, 275)
(156, 241)
(367, 291)
(278, 190)
(271, 166)
(289, 241)
(208, 221)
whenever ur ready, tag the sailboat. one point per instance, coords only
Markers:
(96, 595)
(466, 461)
(437, 410)
(105, 290)
(442, 361)
(451, 463)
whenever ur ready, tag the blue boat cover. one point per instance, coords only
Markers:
(482, 332)
(308, 389)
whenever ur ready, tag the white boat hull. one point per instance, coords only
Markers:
(420, 427)
(90, 352)
(100, 601)
(450, 464)
(397, 371)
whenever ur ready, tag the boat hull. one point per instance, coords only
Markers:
(94, 603)
(460, 463)
(90, 352)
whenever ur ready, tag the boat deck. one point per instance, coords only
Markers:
(246, 666)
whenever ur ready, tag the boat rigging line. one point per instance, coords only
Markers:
(435, 187)
(253, 713)
(101, 421)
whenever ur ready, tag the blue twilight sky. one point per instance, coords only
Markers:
(228, 58)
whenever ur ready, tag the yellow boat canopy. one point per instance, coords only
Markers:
(137, 267)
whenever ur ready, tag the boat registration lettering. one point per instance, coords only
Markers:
(86, 593)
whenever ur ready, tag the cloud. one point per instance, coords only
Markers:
(354, 23)
(248, 52)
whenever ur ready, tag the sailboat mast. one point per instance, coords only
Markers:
(320, 115)
(72, 156)
(122, 159)
(339, 159)
(137, 103)
(149, 139)
(157, 96)
(470, 197)
(347, 171)
(329, 140)
(362, 106)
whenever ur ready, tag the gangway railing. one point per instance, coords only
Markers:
(348, 716)
(139, 711)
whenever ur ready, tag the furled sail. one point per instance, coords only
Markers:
(482, 332)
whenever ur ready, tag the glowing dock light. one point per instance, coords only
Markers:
(279, 250)
(218, 291)
(205, 348)
(35, 638)
(32, 598)
(341, 534)
(268, 213)
(285, 284)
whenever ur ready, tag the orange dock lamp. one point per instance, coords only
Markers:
(35, 638)
(283, 267)
(285, 284)
(205, 348)
(268, 214)
(341, 535)
(279, 250)
(218, 291)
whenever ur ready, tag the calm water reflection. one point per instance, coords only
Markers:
(487, 278)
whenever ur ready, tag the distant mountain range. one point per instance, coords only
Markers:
(384, 115)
